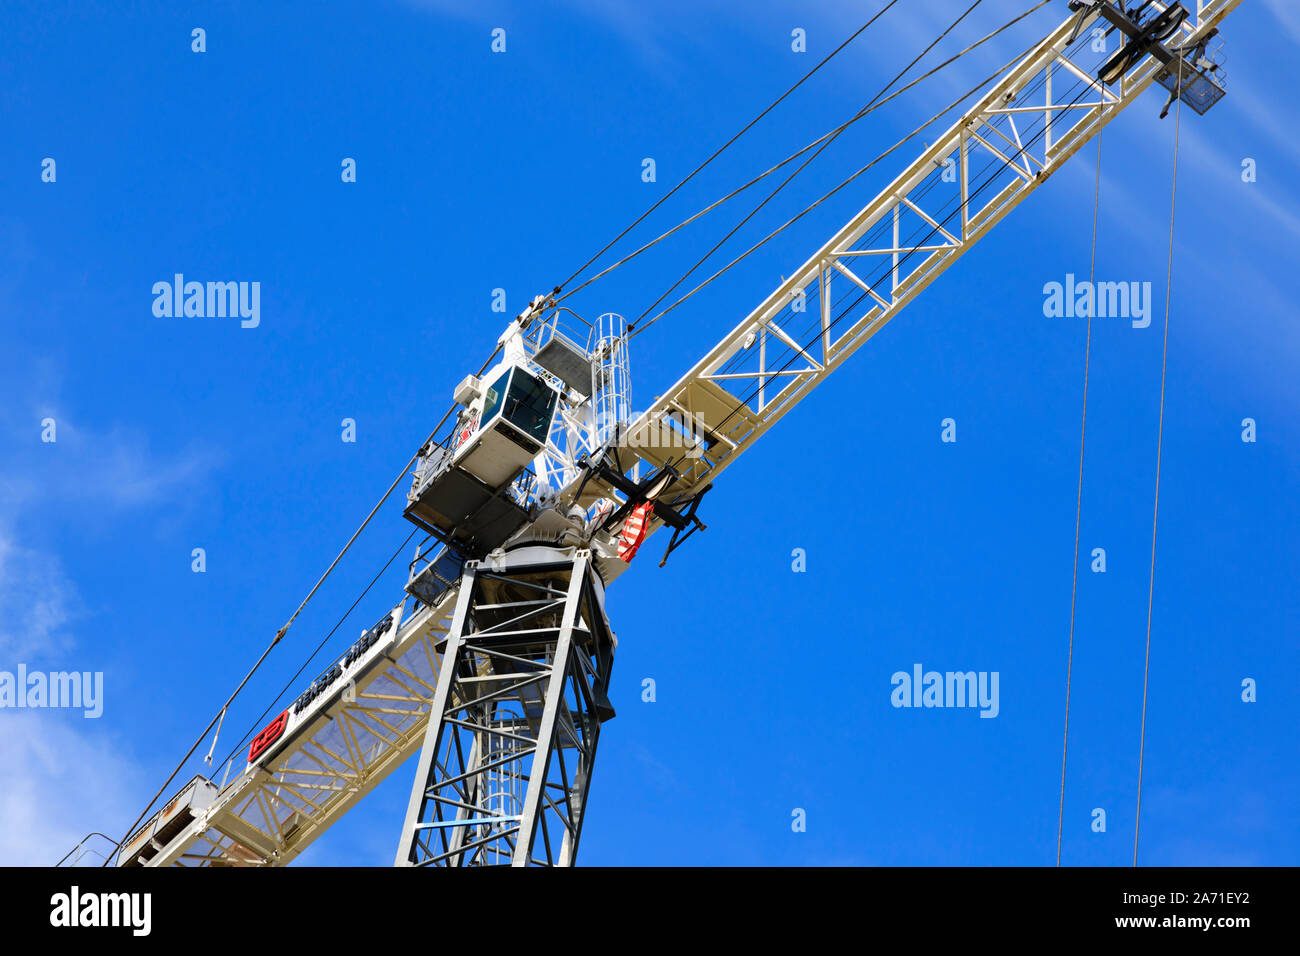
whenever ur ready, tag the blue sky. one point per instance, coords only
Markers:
(478, 171)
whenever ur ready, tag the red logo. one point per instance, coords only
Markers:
(272, 732)
(470, 427)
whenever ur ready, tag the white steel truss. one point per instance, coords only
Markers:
(357, 734)
(1001, 150)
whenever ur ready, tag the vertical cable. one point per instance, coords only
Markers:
(1160, 433)
(1078, 507)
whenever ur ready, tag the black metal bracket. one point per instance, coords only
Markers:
(1180, 70)
(1083, 8)
(1142, 38)
(681, 521)
(610, 470)
(679, 515)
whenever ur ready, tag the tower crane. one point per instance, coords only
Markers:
(496, 664)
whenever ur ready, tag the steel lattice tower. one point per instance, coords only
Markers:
(507, 757)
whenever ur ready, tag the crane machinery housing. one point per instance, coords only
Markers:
(496, 664)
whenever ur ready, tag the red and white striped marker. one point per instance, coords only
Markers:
(634, 531)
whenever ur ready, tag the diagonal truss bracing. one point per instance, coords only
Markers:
(1001, 150)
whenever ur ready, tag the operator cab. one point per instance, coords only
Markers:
(468, 491)
(506, 428)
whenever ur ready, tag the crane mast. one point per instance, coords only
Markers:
(495, 665)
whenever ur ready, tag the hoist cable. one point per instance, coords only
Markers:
(773, 105)
(790, 222)
(802, 166)
(220, 713)
(283, 630)
(1001, 164)
(257, 724)
(1078, 506)
(734, 262)
(1160, 434)
(861, 114)
(736, 360)
(131, 829)
(733, 363)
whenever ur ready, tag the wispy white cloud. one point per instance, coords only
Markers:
(57, 783)
(111, 468)
(645, 28)
(655, 771)
(50, 766)
(1203, 153)
(127, 471)
(1288, 14)
(37, 600)
(908, 28)
(1262, 112)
